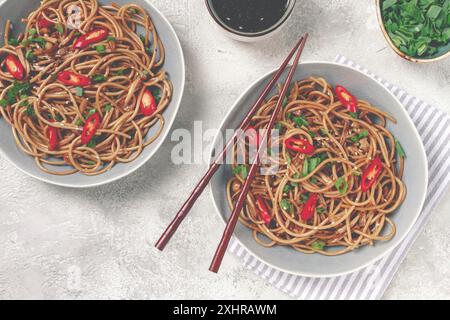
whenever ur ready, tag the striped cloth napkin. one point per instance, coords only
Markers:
(371, 282)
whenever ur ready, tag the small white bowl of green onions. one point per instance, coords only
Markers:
(417, 30)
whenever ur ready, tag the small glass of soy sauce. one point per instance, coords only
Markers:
(250, 20)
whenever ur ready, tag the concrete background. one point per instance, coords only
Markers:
(98, 243)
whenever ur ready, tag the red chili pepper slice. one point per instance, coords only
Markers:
(15, 67)
(299, 145)
(252, 136)
(89, 38)
(371, 174)
(148, 104)
(347, 99)
(54, 135)
(90, 128)
(73, 79)
(53, 138)
(263, 210)
(44, 23)
(309, 208)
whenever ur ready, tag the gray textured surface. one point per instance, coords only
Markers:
(62, 243)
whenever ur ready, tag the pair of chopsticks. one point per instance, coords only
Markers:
(183, 212)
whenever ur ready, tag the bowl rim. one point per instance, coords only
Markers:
(397, 50)
(169, 125)
(395, 242)
(251, 35)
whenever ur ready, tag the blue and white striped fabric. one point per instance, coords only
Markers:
(371, 282)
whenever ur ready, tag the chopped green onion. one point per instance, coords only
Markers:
(285, 204)
(60, 28)
(361, 135)
(318, 245)
(100, 48)
(241, 170)
(98, 78)
(300, 121)
(354, 114)
(400, 151)
(108, 107)
(79, 91)
(342, 185)
(29, 55)
(13, 42)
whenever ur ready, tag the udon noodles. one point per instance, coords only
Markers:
(314, 202)
(83, 87)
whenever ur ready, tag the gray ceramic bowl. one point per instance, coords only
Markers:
(15, 11)
(416, 176)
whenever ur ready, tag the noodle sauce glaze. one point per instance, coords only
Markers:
(249, 16)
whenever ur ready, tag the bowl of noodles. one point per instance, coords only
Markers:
(343, 178)
(88, 89)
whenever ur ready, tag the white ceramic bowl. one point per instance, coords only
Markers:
(415, 178)
(175, 66)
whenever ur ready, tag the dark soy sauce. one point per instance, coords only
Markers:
(250, 16)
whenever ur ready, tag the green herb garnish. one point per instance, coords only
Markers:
(278, 126)
(418, 28)
(318, 245)
(18, 89)
(91, 112)
(156, 92)
(241, 170)
(98, 78)
(40, 41)
(400, 151)
(60, 28)
(30, 111)
(92, 144)
(286, 205)
(112, 39)
(100, 48)
(305, 170)
(304, 197)
(108, 107)
(355, 115)
(119, 73)
(300, 121)
(359, 136)
(79, 91)
(29, 55)
(342, 185)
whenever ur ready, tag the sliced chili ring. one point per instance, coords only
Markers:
(309, 208)
(15, 67)
(53, 138)
(371, 174)
(347, 99)
(299, 145)
(90, 128)
(148, 104)
(263, 210)
(44, 23)
(92, 37)
(70, 78)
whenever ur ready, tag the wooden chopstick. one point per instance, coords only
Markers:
(223, 245)
(184, 210)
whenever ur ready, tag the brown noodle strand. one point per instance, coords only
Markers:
(129, 67)
(346, 220)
